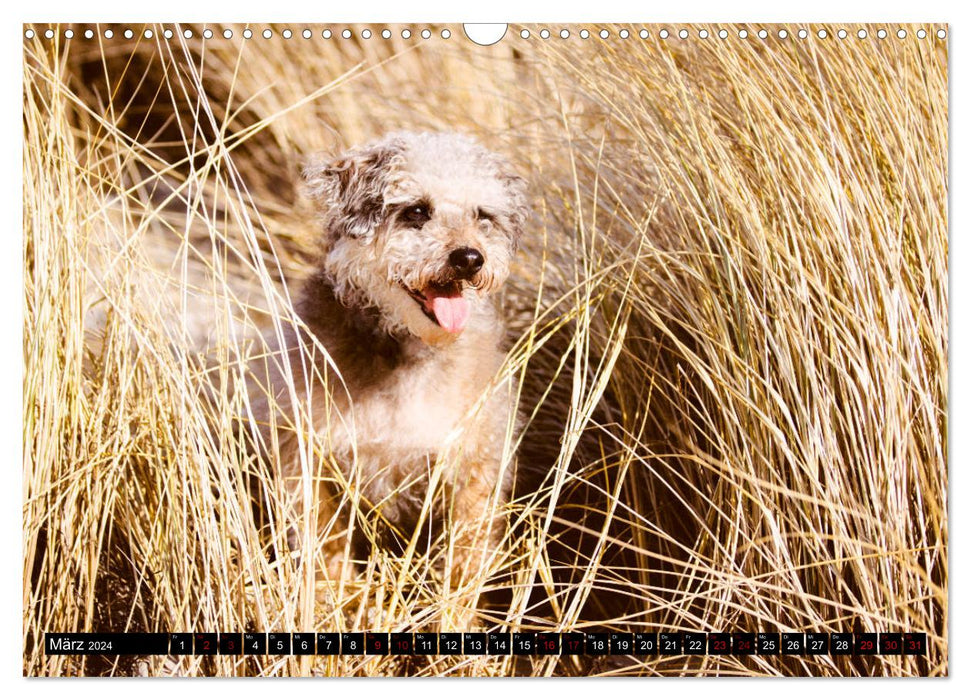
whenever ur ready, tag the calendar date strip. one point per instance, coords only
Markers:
(646, 644)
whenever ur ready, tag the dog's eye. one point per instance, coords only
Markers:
(483, 215)
(416, 214)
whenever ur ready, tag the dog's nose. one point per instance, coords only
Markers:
(465, 262)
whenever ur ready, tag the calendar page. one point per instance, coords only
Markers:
(485, 350)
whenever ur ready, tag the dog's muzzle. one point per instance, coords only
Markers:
(443, 302)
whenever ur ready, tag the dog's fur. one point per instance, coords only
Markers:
(414, 392)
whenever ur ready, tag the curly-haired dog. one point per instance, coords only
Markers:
(418, 231)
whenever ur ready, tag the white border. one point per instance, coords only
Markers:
(11, 352)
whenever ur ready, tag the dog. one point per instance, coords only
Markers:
(395, 364)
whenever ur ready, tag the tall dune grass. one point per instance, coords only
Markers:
(729, 320)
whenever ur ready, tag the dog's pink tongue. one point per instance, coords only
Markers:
(451, 309)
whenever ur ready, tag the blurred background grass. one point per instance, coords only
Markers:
(729, 318)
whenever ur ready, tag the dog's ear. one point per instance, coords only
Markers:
(350, 189)
(518, 210)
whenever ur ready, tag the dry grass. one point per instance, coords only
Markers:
(730, 319)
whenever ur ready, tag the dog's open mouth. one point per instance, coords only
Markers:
(444, 305)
